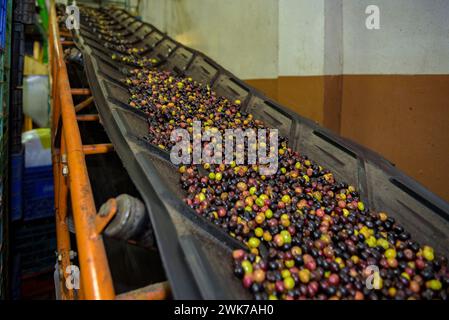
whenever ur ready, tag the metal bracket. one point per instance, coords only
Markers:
(105, 215)
(65, 167)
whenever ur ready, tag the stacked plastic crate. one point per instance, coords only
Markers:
(32, 205)
(5, 37)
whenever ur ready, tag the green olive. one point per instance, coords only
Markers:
(268, 214)
(371, 242)
(360, 205)
(428, 253)
(285, 273)
(201, 197)
(381, 242)
(434, 284)
(289, 283)
(286, 199)
(304, 276)
(253, 242)
(247, 266)
(260, 202)
(390, 253)
(286, 236)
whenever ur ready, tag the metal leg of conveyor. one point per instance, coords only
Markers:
(84, 104)
(71, 178)
(157, 291)
(62, 230)
(98, 148)
(80, 92)
(88, 117)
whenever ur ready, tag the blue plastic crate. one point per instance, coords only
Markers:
(3, 21)
(24, 11)
(16, 183)
(38, 193)
(34, 246)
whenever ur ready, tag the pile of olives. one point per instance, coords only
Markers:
(308, 235)
(135, 60)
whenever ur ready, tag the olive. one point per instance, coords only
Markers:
(289, 283)
(434, 284)
(251, 257)
(247, 281)
(409, 254)
(334, 279)
(260, 296)
(398, 229)
(404, 236)
(258, 276)
(256, 288)
(272, 265)
(427, 273)
(427, 294)
(428, 253)
(239, 272)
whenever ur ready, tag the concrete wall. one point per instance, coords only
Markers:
(240, 34)
(301, 34)
(413, 38)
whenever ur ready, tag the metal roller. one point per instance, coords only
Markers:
(131, 221)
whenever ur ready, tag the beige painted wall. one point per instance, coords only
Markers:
(271, 38)
(240, 34)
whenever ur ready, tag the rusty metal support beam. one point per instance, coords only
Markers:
(65, 34)
(67, 43)
(97, 148)
(80, 92)
(105, 215)
(62, 229)
(84, 104)
(157, 291)
(95, 274)
(88, 117)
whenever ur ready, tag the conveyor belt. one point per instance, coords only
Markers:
(193, 250)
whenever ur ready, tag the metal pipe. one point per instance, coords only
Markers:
(98, 148)
(87, 117)
(62, 230)
(157, 291)
(79, 91)
(67, 43)
(65, 34)
(84, 104)
(96, 276)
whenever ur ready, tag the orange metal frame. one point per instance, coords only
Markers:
(71, 179)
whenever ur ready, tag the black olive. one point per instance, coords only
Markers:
(238, 271)
(427, 294)
(299, 261)
(427, 273)
(331, 291)
(255, 288)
